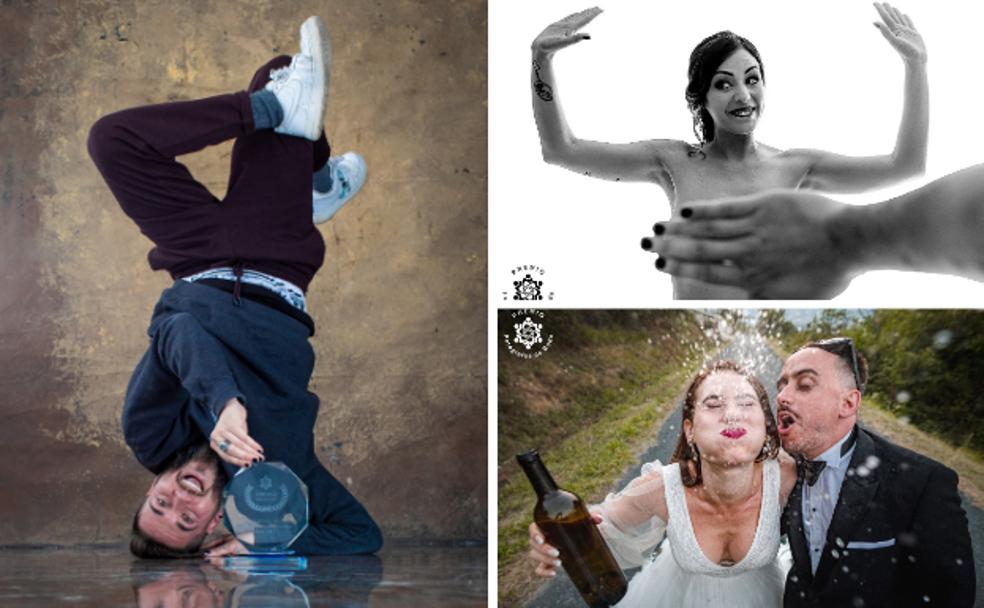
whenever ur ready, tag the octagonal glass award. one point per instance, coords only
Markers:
(266, 509)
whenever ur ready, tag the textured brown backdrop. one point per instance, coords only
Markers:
(400, 303)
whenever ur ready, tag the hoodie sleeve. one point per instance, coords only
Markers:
(198, 360)
(339, 524)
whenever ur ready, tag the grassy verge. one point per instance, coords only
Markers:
(592, 410)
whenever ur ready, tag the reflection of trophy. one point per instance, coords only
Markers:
(265, 591)
(266, 508)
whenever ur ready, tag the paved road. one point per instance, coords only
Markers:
(755, 355)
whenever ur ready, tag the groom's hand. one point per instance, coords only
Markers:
(230, 438)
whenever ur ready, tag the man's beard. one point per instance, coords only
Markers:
(201, 452)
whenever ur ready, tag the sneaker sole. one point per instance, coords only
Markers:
(315, 42)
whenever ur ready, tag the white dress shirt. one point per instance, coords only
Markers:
(820, 499)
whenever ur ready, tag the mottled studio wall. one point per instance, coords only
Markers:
(400, 303)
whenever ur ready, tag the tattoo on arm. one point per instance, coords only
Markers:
(543, 90)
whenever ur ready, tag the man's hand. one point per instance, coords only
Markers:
(780, 244)
(223, 546)
(230, 438)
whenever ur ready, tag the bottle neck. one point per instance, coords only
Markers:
(539, 477)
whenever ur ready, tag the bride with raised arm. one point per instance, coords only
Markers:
(717, 505)
(726, 96)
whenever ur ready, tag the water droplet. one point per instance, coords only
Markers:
(912, 558)
(926, 598)
(845, 569)
(959, 562)
(942, 339)
(839, 542)
(857, 602)
(872, 462)
(835, 553)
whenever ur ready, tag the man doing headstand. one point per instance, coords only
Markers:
(229, 339)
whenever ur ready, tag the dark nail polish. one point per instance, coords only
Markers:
(659, 229)
(587, 36)
(255, 460)
(646, 242)
(686, 212)
(660, 263)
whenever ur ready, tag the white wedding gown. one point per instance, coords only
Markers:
(681, 575)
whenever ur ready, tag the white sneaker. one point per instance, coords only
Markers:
(302, 87)
(348, 173)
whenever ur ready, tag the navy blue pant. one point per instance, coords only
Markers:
(263, 223)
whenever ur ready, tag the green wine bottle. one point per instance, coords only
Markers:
(567, 525)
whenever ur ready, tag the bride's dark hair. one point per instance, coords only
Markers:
(687, 455)
(705, 59)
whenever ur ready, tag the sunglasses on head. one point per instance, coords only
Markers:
(835, 346)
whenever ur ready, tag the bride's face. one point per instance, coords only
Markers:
(736, 97)
(728, 425)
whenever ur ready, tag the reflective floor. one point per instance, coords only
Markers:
(399, 576)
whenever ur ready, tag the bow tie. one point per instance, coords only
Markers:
(811, 469)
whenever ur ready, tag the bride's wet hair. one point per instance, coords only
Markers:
(705, 59)
(689, 457)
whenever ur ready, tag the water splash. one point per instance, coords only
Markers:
(942, 339)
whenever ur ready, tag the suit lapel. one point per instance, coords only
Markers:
(853, 504)
(796, 533)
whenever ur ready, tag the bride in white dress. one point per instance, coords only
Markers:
(717, 505)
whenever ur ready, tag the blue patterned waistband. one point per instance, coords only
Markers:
(291, 293)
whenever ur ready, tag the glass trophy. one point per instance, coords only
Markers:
(266, 509)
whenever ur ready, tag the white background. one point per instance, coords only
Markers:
(833, 82)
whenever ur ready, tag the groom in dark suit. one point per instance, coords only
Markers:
(869, 523)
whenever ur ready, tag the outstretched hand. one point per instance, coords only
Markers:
(778, 244)
(564, 33)
(900, 32)
(223, 546)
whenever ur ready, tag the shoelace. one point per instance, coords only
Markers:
(343, 179)
(279, 76)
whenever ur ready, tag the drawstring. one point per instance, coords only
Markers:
(238, 271)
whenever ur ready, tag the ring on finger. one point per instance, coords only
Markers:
(224, 445)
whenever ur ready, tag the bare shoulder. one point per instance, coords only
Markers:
(664, 152)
